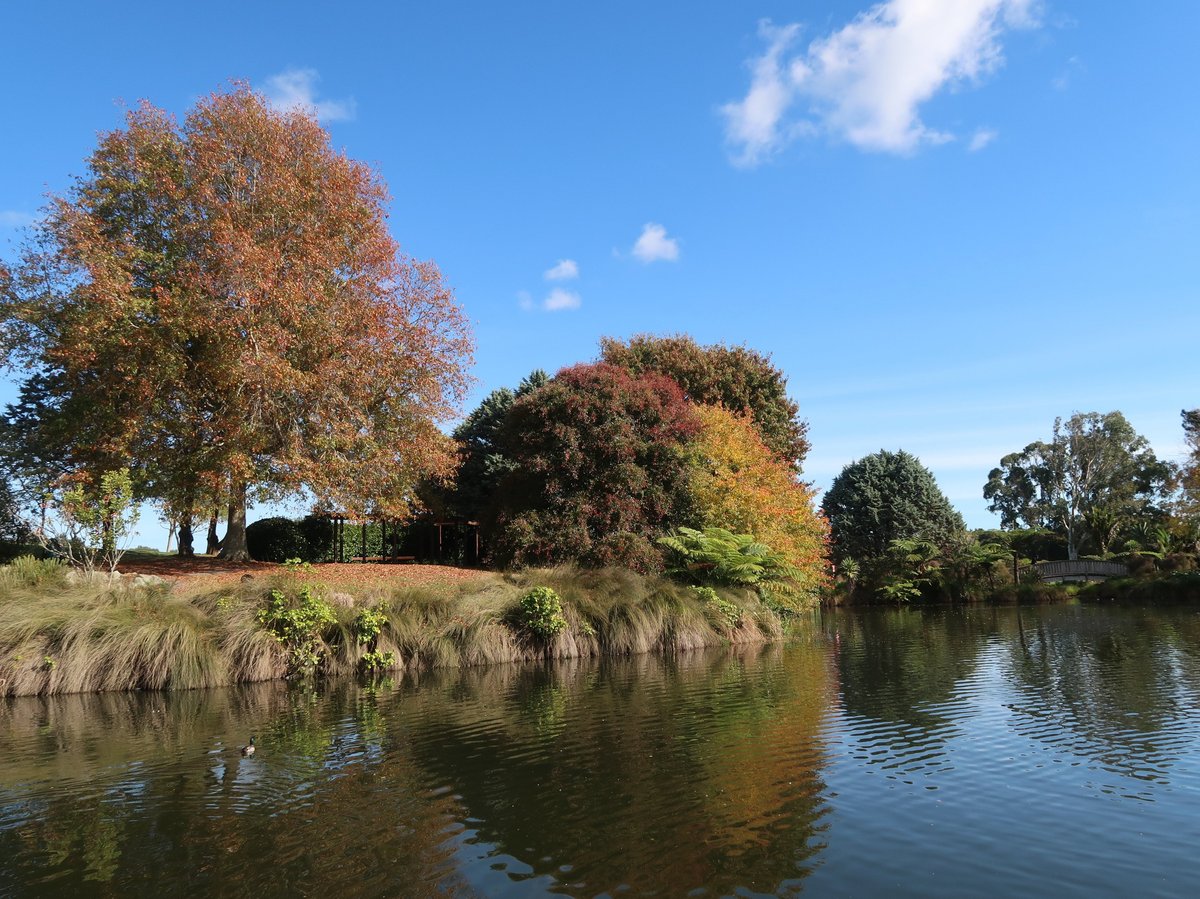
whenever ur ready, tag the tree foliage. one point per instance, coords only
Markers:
(223, 299)
(90, 521)
(962, 568)
(482, 461)
(738, 483)
(884, 497)
(599, 470)
(737, 378)
(719, 556)
(1190, 470)
(1094, 476)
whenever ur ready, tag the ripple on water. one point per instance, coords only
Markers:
(913, 751)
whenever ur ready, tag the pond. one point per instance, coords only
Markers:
(979, 751)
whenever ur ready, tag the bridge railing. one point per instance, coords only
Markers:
(1080, 569)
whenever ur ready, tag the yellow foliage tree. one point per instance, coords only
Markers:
(737, 483)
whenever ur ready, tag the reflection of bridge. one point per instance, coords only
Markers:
(1079, 570)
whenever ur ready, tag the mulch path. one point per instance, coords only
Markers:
(206, 572)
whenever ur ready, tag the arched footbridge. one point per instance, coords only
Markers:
(1079, 570)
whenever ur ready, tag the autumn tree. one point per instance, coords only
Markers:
(599, 470)
(223, 298)
(736, 377)
(739, 484)
(885, 497)
(1095, 475)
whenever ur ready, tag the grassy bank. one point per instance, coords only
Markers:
(64, 634)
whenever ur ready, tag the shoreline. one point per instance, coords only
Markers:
(59, 637)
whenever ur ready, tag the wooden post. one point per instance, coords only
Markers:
(383, 547)
(364, 540)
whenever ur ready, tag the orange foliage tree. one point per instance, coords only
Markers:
(224, 300)
(738, 483)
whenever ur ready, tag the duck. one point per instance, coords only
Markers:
(248, 749)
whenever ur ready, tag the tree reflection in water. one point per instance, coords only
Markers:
(650, 773)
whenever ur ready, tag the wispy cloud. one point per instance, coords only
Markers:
(865, 83)
(981, 138)
(10, 218)
(297, 89)
(560, 299)
(1062, 81)
(654, 245)
(563, 270)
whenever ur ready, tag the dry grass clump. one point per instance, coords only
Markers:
(89, 638)
(62, 634)
(613, 611)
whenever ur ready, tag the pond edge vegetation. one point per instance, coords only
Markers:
(66, 633)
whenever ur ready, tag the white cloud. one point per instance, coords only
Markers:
(563, 270)
(981, 138)
(560, 299)
(10, 218)
(754, 122)
(654, 245)
(297, 89)
(866, 82)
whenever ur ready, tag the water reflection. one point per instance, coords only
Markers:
(1119, 690)
(942, 751)
(643, 775)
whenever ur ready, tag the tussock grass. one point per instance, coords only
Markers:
(61, 634)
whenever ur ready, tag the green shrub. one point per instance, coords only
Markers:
(275, 540)
(730, 612)
(298, 623)
(27, 571)
(374, 661)
(10, 551)
(718, 556)
(1178, 586)
(319, 538)
(541, 613)
(369, 622)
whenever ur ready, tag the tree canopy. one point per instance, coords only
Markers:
(483, 462)
(1095, 475)
(218, 303)
(1190, 469)
(883, 497)
(739, 484)
(737, 378)
(599, 470)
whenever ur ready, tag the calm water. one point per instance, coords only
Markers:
(947, 752)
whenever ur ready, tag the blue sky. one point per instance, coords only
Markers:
(948, 221)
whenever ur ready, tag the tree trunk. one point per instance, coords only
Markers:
(186, 540)
(214, 545)
(234, 545)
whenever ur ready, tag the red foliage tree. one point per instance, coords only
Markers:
(736, 377)
(600, 470)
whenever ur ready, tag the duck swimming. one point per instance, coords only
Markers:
(248, 749)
